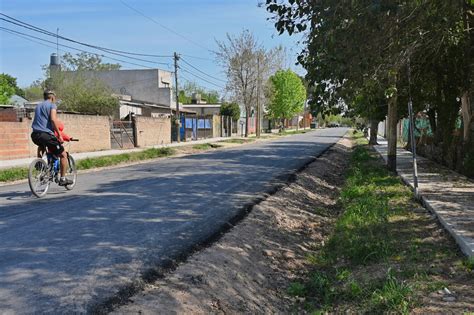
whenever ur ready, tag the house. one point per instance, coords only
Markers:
(18, 101)
(149, 85)
(200, 107)
(153, 86)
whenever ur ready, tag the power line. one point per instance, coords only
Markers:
(26, 38)
(201, 78)
(108, 50)
(87, 45)
(164, 26)
(196, 57)
(70, 47)
(215, 78)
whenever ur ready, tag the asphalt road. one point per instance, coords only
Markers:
(72, 250)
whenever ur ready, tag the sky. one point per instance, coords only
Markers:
(161, 27)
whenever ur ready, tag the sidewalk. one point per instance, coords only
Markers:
(447, 194)
(84, 155)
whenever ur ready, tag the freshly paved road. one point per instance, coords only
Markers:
(72, 250)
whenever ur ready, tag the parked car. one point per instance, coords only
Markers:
(333, 124)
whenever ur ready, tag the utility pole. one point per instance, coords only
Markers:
(412, 133)
(304, 114)
(177, 116)
(258, 96)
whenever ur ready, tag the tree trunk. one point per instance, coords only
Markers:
(374, 126)
(467, 115)
(392, 119)
(247, 114)
(432, 118)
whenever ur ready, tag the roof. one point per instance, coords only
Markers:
(202, 105)
(18, 100)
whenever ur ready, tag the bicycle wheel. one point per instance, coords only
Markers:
(71, 172)
(38, 177)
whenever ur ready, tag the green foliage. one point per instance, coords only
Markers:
(85, 61)
(231, 109)
(34, 91)
(123, 158)
(12, 174)
(7, 90)
(296, 289)
(377, 234)
(186, 93)
(84, 95)
(238, 141)
(469, 263)
(206, 146)
(394, 296)
(12, 82)
(288, 95)
(363, 54)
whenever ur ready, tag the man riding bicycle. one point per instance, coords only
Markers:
(44, 125)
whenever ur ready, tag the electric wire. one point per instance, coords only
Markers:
(200, 71)
(201, 78)
(164, 26)
(121, 53)
(74, 48)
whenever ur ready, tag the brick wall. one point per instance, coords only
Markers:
(152, 130)
(93, 132)
(14, 143)
(8, 115)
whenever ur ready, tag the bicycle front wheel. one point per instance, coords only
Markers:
(71, 172)
(38, 177)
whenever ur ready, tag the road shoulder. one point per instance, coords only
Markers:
(249, 268)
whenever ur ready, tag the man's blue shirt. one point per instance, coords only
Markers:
(42, 120)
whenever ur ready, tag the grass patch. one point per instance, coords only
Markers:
(12, 174)
(17, 173)
(238, 140)
(206, 146)
(292, 132)
(110, 160)
(382, 257)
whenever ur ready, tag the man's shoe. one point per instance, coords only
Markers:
(65, 182)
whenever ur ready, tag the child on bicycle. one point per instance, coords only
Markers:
(66, 138)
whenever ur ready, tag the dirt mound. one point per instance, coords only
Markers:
(248, 270)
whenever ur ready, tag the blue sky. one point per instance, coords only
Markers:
(109, 23)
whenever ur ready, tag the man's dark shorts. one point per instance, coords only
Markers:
(44, 139)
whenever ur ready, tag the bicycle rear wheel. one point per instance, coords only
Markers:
(38, 177)
(71, 172)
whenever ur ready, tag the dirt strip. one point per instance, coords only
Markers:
(249, 269)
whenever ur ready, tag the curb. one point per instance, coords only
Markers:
(460, 240)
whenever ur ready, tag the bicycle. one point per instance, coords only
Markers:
(42, 173)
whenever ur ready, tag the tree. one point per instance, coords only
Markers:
(7, 90)
(230, 109)
(34, 91)
(246, 64)
(76, 92)
(84, 95)
(189, 88)
(86, 61)
(12, 82)
(351, 42)
(288, 95)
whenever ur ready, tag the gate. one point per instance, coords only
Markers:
(122, 134)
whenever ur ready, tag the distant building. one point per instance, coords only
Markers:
(17, 101)
(148, 85)
(201, 107)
